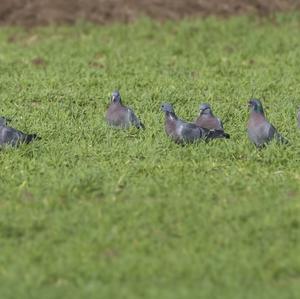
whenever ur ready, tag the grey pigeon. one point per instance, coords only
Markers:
(183, 132)
(120, 116)
(298, 116)
(13, 137)
(206, 118)
(260, 131)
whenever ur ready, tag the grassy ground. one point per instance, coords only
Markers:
(90, 212)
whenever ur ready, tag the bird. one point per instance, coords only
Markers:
(181, 131)
(120, 116)
(298, 116)
(13, 137)
(206, 118)
(260, 131)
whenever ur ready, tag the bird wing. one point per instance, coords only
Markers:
(270, 132)
(135, 120)
(273, 133)
(11, 136)
(220, 123)
(191, 132)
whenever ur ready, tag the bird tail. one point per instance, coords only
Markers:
(138, 124)
(135, 121)
(31, 137)
(213, 134)
(141, 126)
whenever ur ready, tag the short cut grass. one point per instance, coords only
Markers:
(90, 212)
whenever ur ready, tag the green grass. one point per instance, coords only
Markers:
(92, 212)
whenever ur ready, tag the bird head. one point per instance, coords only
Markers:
(256, 105)
(116, 97)
(166, 107)
(205, 108)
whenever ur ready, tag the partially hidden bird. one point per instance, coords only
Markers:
(120, 116)
(13, 137)
(298, 116)
(181, 131)
(260, 130)
(206, 118)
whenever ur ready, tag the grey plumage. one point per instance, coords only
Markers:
(260, 131)
(206, 118)
(120, 116)
(298, 116)
(183, 132)
(13, 137)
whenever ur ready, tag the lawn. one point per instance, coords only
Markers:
(93, 212)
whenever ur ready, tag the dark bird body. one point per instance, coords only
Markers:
(298, 117)
(13, 137)
(184, 132)
(120, 116)
(207, 120)
(260, 131)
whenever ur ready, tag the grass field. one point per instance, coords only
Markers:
(92, 212)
